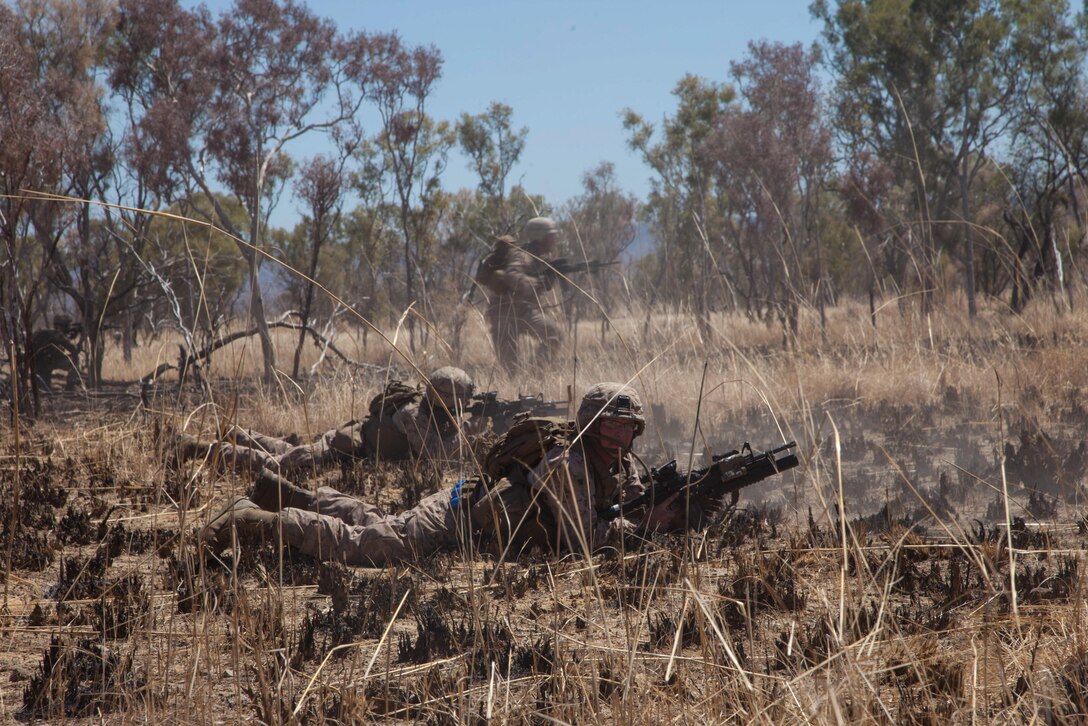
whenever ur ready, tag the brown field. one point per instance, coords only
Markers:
(921, 566)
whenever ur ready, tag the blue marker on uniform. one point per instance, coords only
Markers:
(455, 495)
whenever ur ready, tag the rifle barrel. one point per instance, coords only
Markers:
(751, 468)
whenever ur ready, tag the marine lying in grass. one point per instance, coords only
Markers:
(565, 499)
(405, 423)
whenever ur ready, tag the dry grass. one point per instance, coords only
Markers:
(871, 585)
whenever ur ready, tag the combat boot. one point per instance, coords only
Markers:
(249, 520)
(188, 447)
(272, 492)
(239, 437)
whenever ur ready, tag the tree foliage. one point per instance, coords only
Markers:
(929, 88)
(683, 200)
(920, 149)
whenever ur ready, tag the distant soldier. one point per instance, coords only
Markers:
(515, 278)
(404, 424)
(56, 349)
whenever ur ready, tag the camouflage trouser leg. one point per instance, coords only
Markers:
(306, 459)
(71, 382)
(535, 322)
(348, 509)
(509, 521)
(51, 350)
(426, 528)
(296, 460)
(44, 369)
(241, 458)
(504, 332)
(256, 440)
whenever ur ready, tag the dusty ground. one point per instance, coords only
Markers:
(901, 611)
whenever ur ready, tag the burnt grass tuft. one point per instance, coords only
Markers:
(361, 609)
(573, 638)
(80, 679)
(28, 507)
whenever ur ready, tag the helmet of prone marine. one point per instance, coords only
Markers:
(538, 228)
(451, 385)
(611, 400)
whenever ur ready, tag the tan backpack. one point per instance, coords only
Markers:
(397, 395)
(525, 444)
(518, 521)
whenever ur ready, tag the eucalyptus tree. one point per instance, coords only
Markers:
(50, 125)
(28, 130)
(599, 224)
(1048, 161)
(92, 265)
(683, 200)
(321, 186)
(929, 88)
(771, 153)
(493, 147)
(221, 107)
(198, 263)
(408, 154)
(371, 253)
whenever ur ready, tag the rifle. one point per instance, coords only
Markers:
(565, 266)
(489, 404)
(728, 474)
(470, 293)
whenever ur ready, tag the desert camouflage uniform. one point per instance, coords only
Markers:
(345, 529)
(415, 431)
(574, 491)
(559, 502)
(429, 430)
(515, 281)
(348, 530)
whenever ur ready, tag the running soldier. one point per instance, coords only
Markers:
(564, 492)
(515, 278)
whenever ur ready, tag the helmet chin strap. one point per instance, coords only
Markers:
(601, 443)
(602, 458)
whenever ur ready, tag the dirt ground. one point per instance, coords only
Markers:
(785, 610)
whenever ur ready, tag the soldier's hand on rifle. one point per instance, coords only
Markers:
(712, 505)
(549, 277)
(663, 517)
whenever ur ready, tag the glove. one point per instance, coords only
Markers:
(666, 516)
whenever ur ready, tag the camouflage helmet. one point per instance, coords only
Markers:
(450, 384)
(63, 323)
(537, 228)
(611, 400)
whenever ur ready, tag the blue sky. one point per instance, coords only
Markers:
(568, 69)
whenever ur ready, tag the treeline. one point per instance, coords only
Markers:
(946, 152)
(918, 148)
